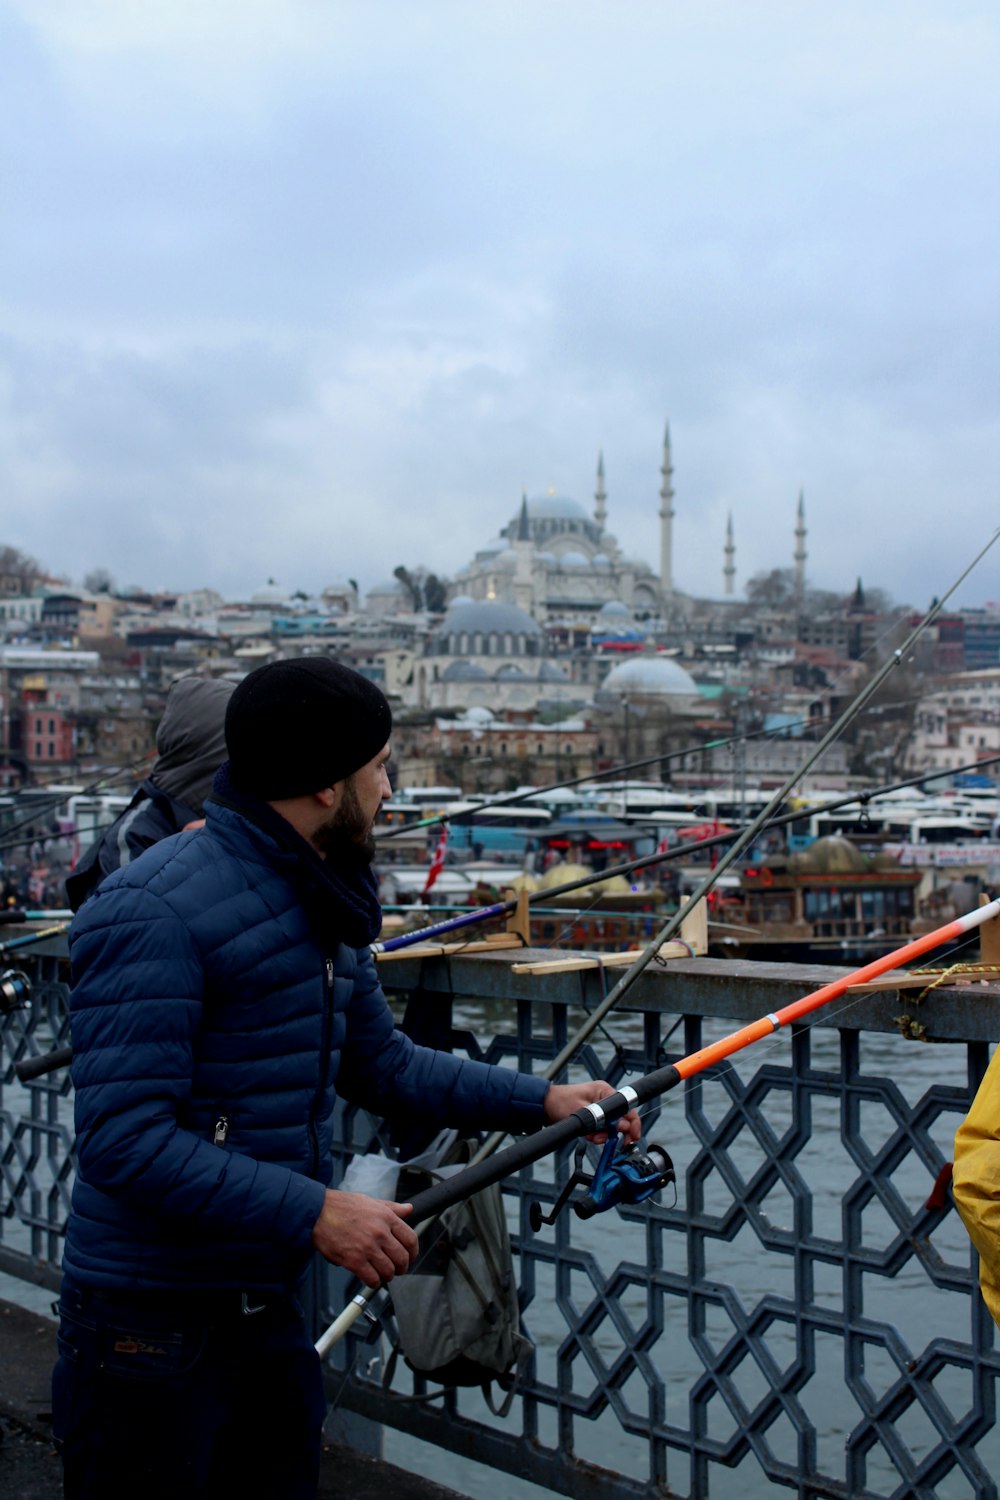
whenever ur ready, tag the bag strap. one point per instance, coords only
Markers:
(515, 1377)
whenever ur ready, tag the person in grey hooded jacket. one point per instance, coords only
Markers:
(224, 997)
(191, 746)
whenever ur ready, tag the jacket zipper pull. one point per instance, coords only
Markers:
(329, 973)
(221, 1130)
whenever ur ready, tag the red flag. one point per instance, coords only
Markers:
(437, 863)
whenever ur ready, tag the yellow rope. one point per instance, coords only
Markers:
(915, 1030)
(941, 976)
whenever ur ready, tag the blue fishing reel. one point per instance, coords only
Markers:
(626, 1173)
(15, 988)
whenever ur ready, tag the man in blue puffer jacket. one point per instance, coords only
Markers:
(224, 994)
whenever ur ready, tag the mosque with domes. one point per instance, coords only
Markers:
(555, 578)
(554, 560)
(558, 562)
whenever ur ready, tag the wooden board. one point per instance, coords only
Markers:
(573, 961)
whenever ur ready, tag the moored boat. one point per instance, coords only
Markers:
(829, 903)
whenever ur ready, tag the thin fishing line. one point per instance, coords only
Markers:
(776, 732)
(680, 851)
(744, 840)
(49, 805)
(783, 1038)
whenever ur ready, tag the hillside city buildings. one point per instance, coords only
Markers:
(551, 653)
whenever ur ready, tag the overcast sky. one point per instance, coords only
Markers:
(306, 289)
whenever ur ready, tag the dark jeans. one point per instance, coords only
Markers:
(174, 1397)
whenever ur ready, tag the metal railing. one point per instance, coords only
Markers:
(804, 1318)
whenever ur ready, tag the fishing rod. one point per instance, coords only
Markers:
(512, 798)
(509, 799)
(60, 1057)
(742, 841)
(504, 908)
(33, 937)
(596, 1118)
(48, 805)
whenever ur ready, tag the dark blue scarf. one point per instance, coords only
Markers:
(341, 899)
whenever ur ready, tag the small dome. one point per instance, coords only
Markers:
(464, 671)
(560, 874)
(549, 558)
(478, 713)
(506, 560)
(884, 862)
(650, 676)
(269, 594)
(557, 875)
(602, 560)
(509, 673)
(574, 560)
(550, 671)
(833, 855)
(613, 607)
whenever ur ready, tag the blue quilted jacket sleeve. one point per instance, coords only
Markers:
(139, 991)
(384, 1070)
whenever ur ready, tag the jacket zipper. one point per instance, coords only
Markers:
(324, 1050)
(221, 1130)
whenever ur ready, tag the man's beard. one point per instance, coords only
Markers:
(347, 837)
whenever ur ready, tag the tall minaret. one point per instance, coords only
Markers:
(729, 571)
(666, 521)
(523, 533)
(524, 589)
(800, 547)
(600, 495)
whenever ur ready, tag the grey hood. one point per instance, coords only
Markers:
(191, 738)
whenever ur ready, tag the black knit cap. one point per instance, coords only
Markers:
(294, 727)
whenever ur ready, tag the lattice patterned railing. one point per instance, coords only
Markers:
(802, 1319)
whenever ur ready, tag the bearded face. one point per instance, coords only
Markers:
(346, 837)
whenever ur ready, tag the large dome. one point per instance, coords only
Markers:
(488, 615)
(556, 507)
(651, 676)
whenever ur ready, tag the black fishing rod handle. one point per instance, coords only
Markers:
(46, 1062)
(591, 1120)
(482, 1174)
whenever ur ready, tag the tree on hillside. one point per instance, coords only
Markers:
(435, 594)
(773, 590)
(18, 572)
(99, 581)
(411, 584)
(426, 590)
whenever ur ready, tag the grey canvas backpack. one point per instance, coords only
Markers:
(457, 1308)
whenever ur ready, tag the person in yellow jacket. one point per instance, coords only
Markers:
(976, 1181)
